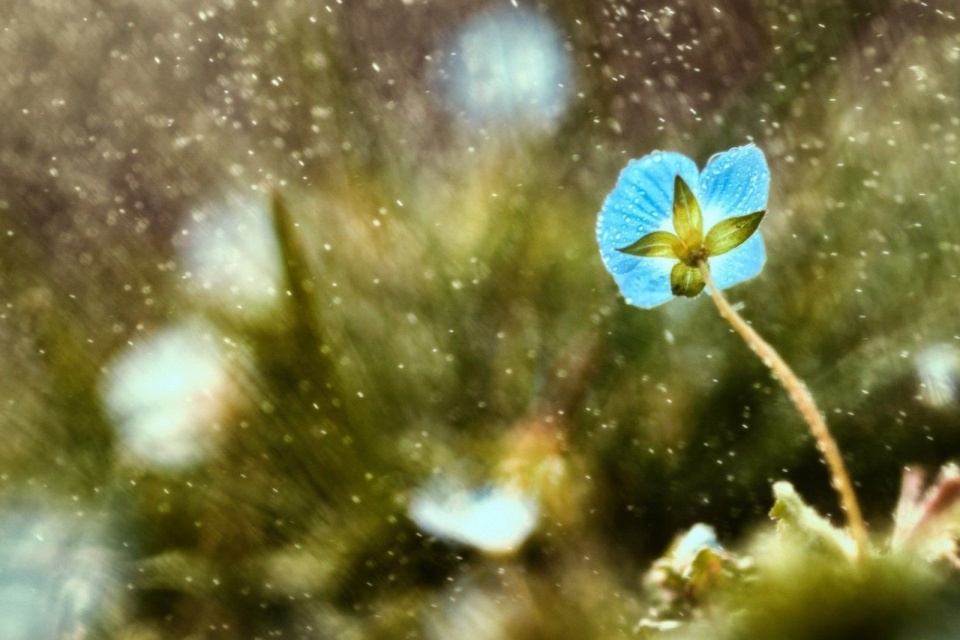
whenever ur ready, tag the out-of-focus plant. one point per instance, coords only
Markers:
(424, 308)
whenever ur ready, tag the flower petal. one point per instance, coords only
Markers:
(734, 183)
(647, 283)
(641, 202)
(740, 264)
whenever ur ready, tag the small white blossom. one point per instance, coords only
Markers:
(937, 367)
(493, 519)
(56, 580)
(166, 395)
(232, 256)
(509, 64)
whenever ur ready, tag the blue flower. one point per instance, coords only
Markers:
(660, 208)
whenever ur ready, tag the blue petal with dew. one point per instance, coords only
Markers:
(743, 263)
(641, 202)
(735, 183)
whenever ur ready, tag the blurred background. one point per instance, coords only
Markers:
(298, 297)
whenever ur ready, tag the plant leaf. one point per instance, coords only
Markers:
(803, 528)
(686, 280)
(657, 244)
(705, 571)
(731, 233)
(687, 218)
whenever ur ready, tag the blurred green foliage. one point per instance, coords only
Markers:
(444, 310)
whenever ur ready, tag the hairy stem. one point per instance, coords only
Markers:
(801, 397)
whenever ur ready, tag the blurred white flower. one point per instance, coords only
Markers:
(937, 368)
(493, 519)
(166, 395)
(232, 256)
(55, 580)
(509, 64)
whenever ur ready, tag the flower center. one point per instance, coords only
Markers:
(692, 255)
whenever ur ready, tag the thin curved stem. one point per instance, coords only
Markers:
(801, 397)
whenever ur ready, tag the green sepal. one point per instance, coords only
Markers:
(686, 280)
(657, 244)
(687, 218)
(731, 233)
(705, 571)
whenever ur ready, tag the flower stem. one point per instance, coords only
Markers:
(801, 397)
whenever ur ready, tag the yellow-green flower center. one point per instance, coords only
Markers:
(688, 244)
